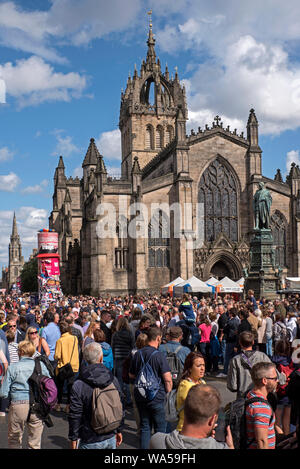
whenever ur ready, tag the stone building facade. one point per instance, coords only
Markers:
(214, 168)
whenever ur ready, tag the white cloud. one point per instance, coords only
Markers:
(250, 74)
(35, 189)
(27, 31)
(6, 154)
(292, 157)
(74, 22)
(109, 145)
(32, 81)
(64, 145)
(8, 182)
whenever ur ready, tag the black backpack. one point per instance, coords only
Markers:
(42, 391)
(175, 364)
(235, 417)
(191, 335)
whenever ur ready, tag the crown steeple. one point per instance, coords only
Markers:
(148, 109)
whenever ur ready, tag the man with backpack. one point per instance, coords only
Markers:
(96, 414)
(175, 353)
(239, 371)
(260, 418)
(151, 373)
(190, 332)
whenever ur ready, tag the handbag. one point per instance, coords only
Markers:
(66, 371)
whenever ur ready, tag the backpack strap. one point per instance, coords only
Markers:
(178, 348)
(260, 399)
(142, 358)
(73, 349)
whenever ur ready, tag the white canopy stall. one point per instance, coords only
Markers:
(192, 285)
(168, 288)
(226, 285)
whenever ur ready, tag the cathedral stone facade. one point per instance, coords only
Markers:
(215, 167)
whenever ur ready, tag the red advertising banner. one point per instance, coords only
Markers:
(47, 243)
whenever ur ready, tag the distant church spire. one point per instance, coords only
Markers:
(14, 233)
(16, 260)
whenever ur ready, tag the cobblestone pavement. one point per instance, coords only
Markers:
(57, 436)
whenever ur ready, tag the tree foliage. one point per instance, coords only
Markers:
(28, 276)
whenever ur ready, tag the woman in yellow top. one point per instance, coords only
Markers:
(66, 351)
(193, 372)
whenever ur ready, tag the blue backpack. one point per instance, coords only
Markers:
(147, 383)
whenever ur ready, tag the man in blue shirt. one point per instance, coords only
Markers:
(51, 334)
(151, 412)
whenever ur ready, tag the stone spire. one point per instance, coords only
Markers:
(61, 163)
(151, 56)
(278, 176)
(92, 154)
(14, 233)
(16, 260)
(252, 129)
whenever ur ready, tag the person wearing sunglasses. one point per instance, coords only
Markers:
(260, 418)
(41, 346)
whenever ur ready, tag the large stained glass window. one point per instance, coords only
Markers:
(218, 193)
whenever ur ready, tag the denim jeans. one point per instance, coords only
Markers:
(269, 351)
(105, 444)
(151, 415)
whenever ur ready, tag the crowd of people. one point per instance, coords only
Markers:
(142, 349)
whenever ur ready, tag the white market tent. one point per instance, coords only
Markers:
(168, 288)
(228, 286)
(192, 285)
(212, 281)
(241, 282)
(292, 283)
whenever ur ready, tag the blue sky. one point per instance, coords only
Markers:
(64, 63)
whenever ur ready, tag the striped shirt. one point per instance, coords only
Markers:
(259, 414)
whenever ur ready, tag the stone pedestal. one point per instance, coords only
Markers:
(262, 276)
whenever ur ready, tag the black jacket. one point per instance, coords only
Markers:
(91, 376)
(231, 330)
(122, 343)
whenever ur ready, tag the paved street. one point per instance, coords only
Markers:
(57, 436)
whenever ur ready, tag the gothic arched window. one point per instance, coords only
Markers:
(121, 251)
(169, 134)
(218, 192)
(159, 240)
(159, 137)
(279, 232)
(149, 143)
